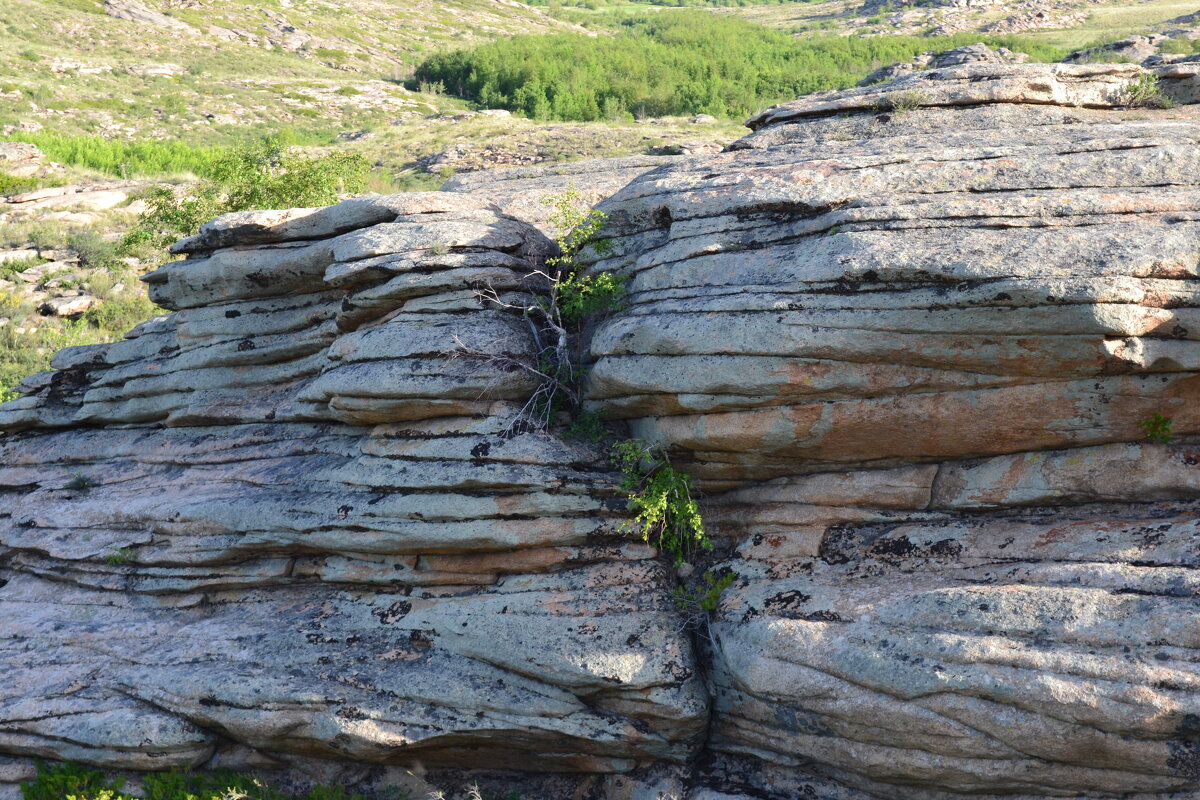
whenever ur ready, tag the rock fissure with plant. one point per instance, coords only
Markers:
(663, 500)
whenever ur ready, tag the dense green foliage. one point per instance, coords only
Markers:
(124, 159)
(143, 158)
(667, 515)
(264, 174)
(13, 184)
(671, 63)
(74, 782)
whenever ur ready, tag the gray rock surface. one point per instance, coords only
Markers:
(906, 348)
(522, 191)
(1134, 50)
(335, 549)
(907, 285)
(980, 84)
(909, 351)
(20, 159)
(977, 53)
(138, 13)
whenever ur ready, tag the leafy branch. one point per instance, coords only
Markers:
(668, 516)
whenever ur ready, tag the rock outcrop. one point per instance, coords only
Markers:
(907, 337)
(281, 517)
(1133, 50)
(978, 53)
(522, 192)
(20, 159)
(914, 350)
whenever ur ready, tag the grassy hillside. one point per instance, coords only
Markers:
(320, 73)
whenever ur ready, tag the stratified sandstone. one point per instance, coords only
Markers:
(905, 336)
(282, 517)
(910, 349)
(911, 285)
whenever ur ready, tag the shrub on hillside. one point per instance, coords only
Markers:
(265, 174)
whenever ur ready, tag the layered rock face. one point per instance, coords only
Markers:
(335, 547)
(905, 337)
(910, 352)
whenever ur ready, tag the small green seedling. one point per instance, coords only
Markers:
(1157, 428)
(79, 483)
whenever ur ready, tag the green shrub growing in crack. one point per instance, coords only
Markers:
(706, 596)
(588, 426)
(584, 295)
(578, 295)
(667, 514)
(698, 600)
(555, 316)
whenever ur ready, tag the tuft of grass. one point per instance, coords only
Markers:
(903, 102)
(1157, 428)
(79, 483)
(118, 557)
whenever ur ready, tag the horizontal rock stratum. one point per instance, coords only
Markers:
(905, 336)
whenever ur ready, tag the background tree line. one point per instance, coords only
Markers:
(673, 63)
